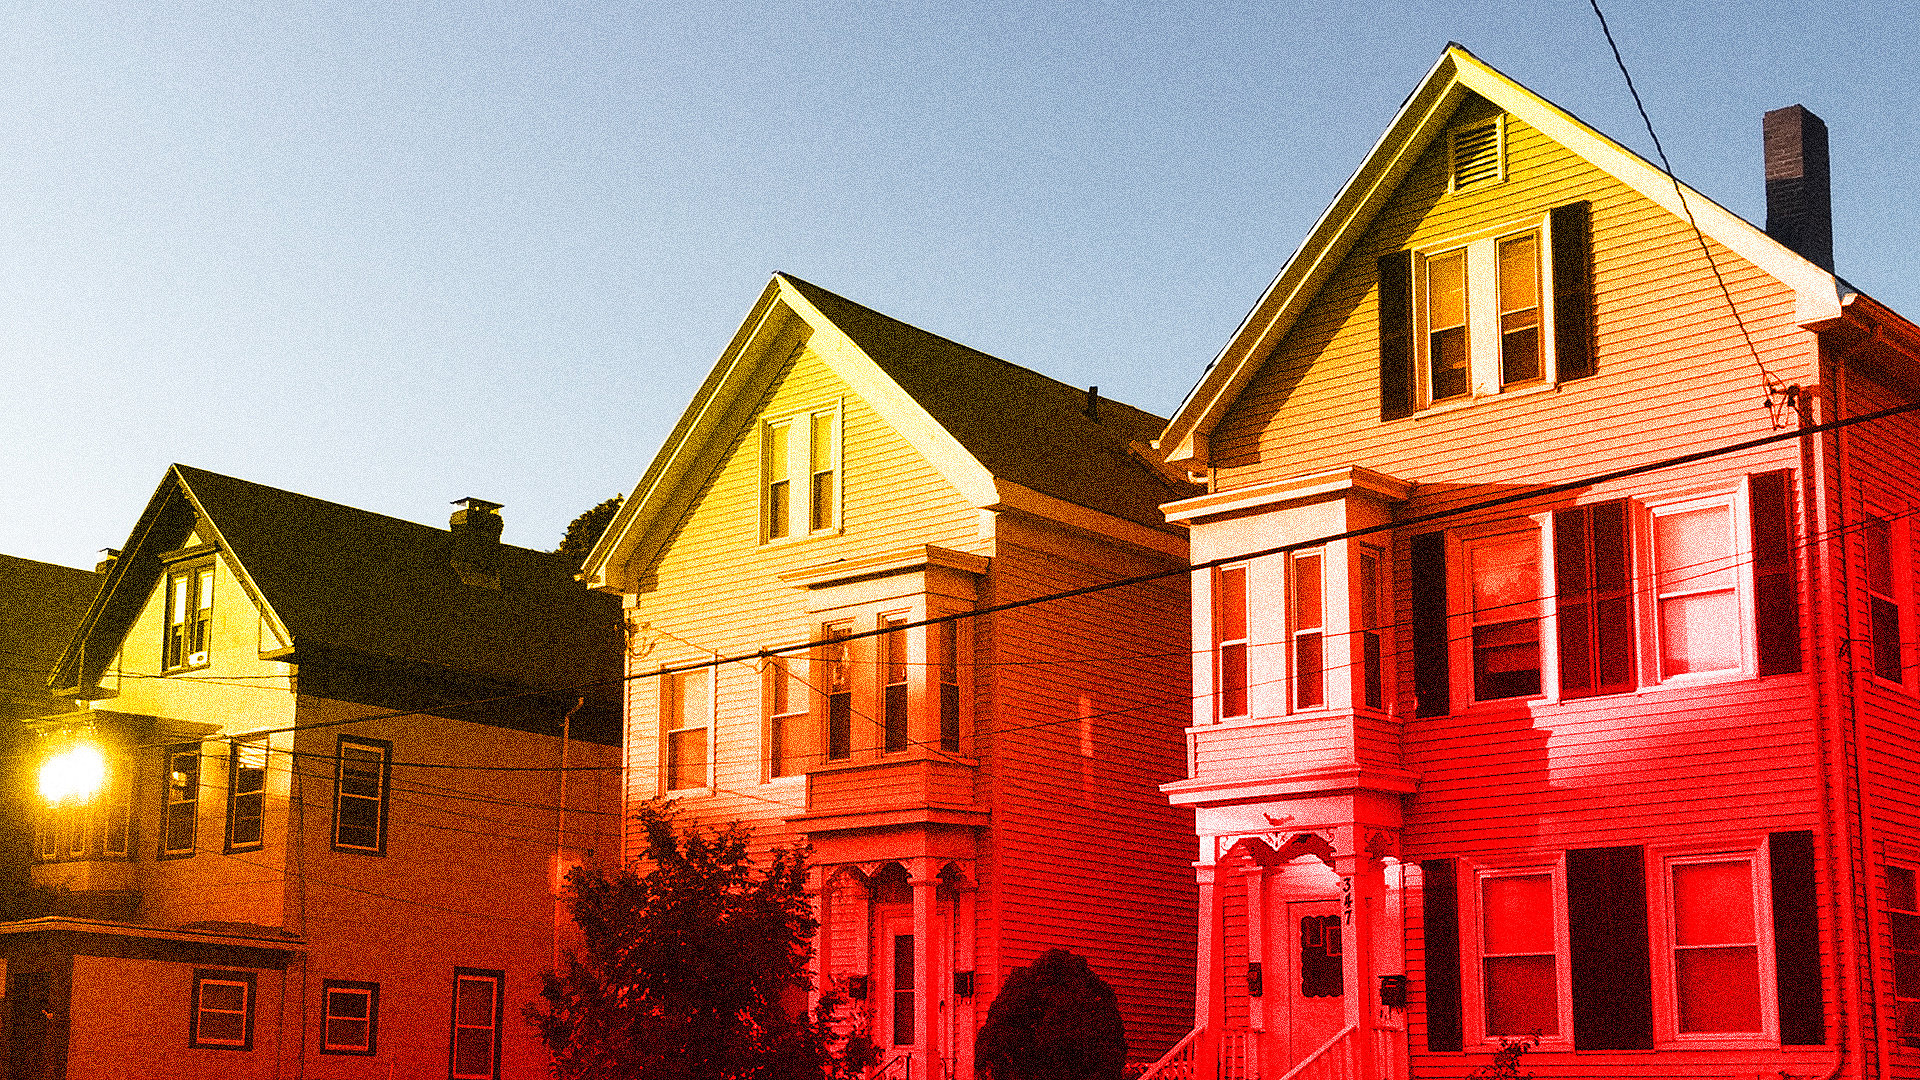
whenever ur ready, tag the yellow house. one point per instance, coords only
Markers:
(311, 823)
(823, 571)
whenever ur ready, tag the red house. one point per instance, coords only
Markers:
(1553, 597)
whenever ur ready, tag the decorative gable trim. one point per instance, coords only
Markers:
(137, 572)
(1421, 119)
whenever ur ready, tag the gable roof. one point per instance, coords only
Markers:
(1421, 119)
(332, 578)
(998, 432)
(40, 604)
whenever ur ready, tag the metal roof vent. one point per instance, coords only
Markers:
(1477, 155)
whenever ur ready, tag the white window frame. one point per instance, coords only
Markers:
(1222, 642)
(1460, 620)
(1297, 631)
(1661, 940)
(786, 729)
(1650, 631)
(1473, 966)
(1903, 1006)
(1899, 560)
(1484, 378)
(186, 614)
(244, 981)
(497, 980)
(670, 690)
(369, 993)
(343, 798)
(798, 431)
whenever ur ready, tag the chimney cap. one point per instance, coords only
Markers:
(471, 503)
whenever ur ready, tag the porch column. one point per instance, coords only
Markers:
(964, 1011)
(1210, 991)
(1362, 910)
(1256, 880)
(926, 986)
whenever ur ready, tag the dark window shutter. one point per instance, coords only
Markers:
(1572, 228)
(1594, 600)
(1430, 677)
(1796, 940)
(1441, 921)
(1607, 934)
(1396, 335)
(1776, 589)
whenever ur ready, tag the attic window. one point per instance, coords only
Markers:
(1477, 155)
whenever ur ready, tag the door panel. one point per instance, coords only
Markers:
(1313, 986)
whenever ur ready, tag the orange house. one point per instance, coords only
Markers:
(1557, 629)
(328, 805)
(816, 570)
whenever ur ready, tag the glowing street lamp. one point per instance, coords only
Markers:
(75, 773)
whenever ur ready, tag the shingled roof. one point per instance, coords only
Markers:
(346, 581)
(1019, 424)
(40, 604)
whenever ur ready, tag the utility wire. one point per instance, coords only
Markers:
(1769, 383)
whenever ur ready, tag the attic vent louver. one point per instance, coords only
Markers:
(1476, 155)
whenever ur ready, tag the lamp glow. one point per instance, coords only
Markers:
(75, 773)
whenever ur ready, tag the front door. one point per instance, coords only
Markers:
(1315, 980)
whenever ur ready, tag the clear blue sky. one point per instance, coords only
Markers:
(394, 254)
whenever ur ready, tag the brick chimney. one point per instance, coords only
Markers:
(476, 542)
(1799, 191)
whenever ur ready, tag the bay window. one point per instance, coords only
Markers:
(1307, 628)
(1230, 640)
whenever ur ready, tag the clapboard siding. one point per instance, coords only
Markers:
(718, 588)
(1673, 371)
(1094, 859)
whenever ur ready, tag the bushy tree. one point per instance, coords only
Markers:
(1053, 1020)
(693, 959)
(584, 531)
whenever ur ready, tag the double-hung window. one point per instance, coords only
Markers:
(351, 1023)
(1307, 628)
(222, 1015)
(800, 474)
(1696, 601)
(182, 800)
(1370, 624)
(1523, 971)
(1903, 917)
(946, 641)
(189, 611)
(360, 795)
(1883, 603)
(1504, 602)
(1714, 967)
(1475, 316)
(477, 1001)
(1230, 640)
(1483, 318)
(686, 699)
(837, 662)
(787, 699)
(893, 680)
(246, 793)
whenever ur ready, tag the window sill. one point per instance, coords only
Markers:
(1454, 405)
(792, 541)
